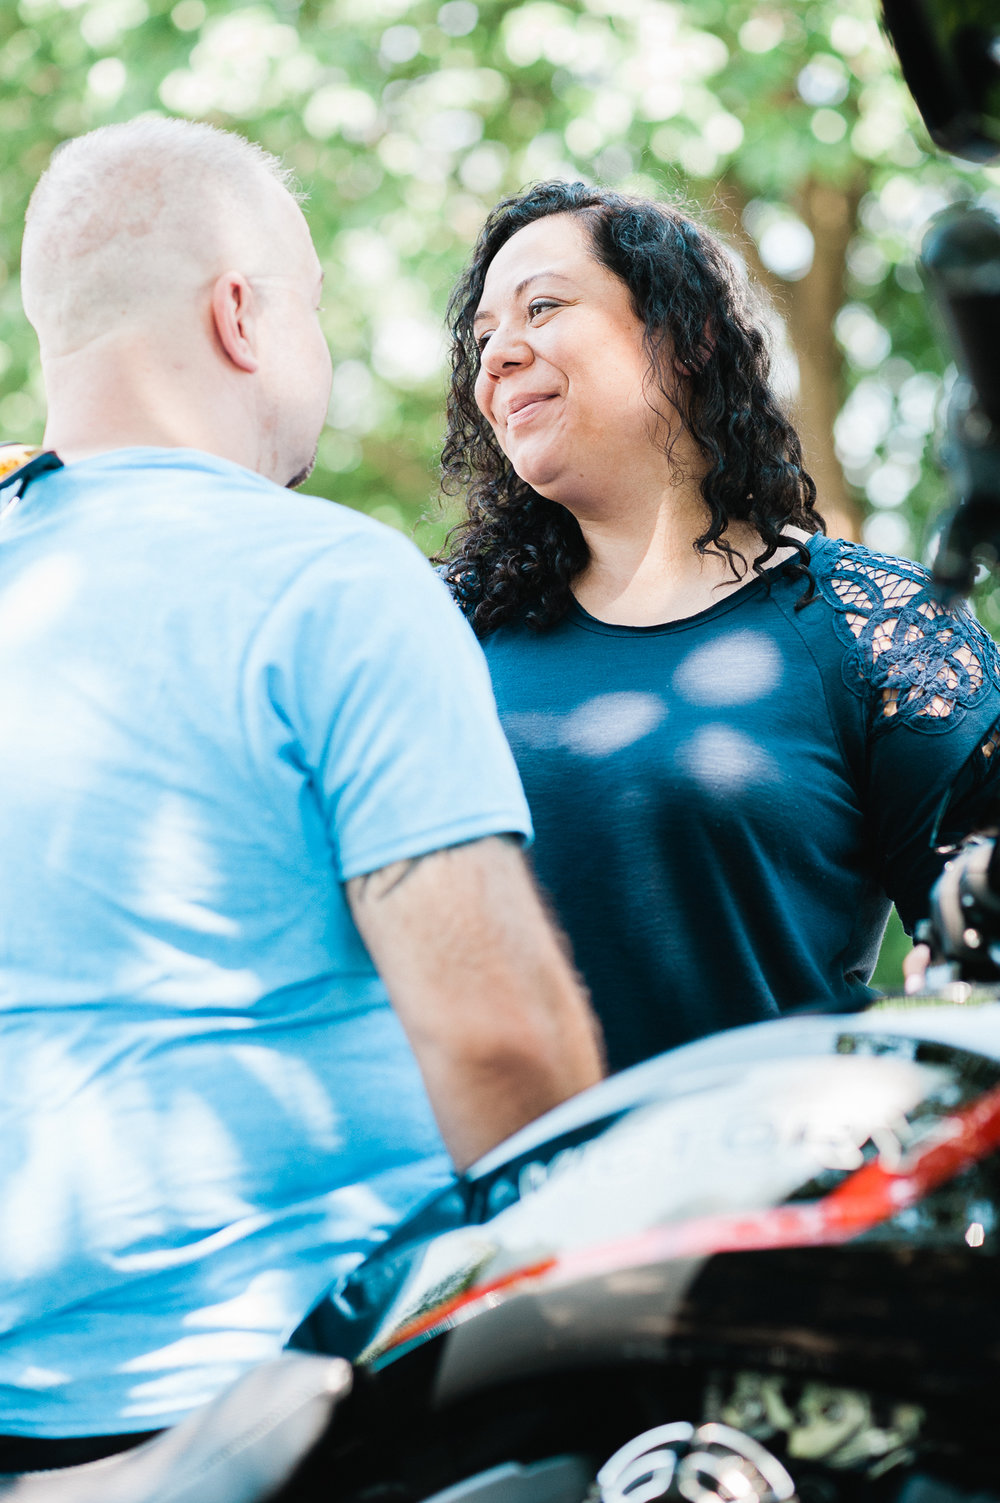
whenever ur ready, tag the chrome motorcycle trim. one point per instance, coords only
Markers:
(711, 1464)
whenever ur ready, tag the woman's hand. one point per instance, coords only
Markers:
(915, 969)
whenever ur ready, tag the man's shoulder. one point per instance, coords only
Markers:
(175, 526)
(174, 490)
(314, 543)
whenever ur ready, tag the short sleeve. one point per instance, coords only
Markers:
(972, 802)
(929, 677)
(387, 706)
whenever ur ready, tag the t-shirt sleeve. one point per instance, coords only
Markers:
(929, 677)
(388, 706)
(972, 802)
(911, 787)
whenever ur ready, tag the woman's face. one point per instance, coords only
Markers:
(563, 374)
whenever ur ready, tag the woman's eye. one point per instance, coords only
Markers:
(540, 305)
(481, 341)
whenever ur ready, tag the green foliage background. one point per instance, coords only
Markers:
(406, 121)
(777, 119)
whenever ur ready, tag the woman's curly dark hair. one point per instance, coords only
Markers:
(516, 554)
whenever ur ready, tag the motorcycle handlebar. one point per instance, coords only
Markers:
(964, 924)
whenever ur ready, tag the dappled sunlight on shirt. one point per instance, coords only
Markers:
(737, 668)
(221, 701)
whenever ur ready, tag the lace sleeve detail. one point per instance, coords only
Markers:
(916, 661)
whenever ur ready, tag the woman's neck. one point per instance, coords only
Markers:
(646, 574)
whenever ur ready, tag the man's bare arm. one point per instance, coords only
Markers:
(480, 981)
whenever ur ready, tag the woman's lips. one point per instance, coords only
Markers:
(526, 409)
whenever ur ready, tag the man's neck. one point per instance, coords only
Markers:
(97, 407)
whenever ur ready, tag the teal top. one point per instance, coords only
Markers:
(726, 806)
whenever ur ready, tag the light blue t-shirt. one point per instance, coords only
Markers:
(220, 701)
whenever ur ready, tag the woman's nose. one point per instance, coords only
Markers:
(505, 350)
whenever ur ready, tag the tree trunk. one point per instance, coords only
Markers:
(809, 307)
(812, 307)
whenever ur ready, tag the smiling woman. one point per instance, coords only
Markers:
(734, 732)
(570, 424)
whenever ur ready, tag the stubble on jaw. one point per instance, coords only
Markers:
(301, 476)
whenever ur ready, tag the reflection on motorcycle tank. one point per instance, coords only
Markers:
(814, 1196)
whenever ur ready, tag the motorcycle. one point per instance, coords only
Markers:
(760, 1267)
(763, 1266)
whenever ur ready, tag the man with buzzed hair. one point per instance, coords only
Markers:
(254, 789)
(171, 279)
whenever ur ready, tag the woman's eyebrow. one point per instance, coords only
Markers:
(482, 314)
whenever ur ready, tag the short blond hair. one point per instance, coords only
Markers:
(127, 213)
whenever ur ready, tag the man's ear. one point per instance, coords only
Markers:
(234, 316)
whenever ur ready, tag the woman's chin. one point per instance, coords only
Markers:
(560, 483)
(544, 481)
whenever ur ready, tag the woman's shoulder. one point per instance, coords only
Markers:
(917, 659)
(861, 585)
